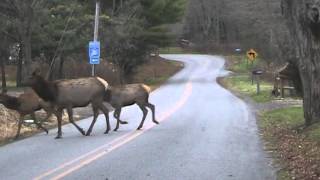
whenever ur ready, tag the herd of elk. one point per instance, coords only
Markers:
(55, 96)
(27, 103)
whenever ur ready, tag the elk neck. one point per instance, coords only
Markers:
(45, 89)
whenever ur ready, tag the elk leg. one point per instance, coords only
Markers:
(59, 119)
(145, 112)
(151, 106)
(19, 126)
(95, 115)
(39, 126)
(70, 114)
(49, 110)
(116, 114)
(106, 115)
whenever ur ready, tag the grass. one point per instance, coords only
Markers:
(285, 118)
(243, 84)
(289, 118)
(241, 80)
(314, 132)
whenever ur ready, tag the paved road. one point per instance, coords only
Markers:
(205, 133)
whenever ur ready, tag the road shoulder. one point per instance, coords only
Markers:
(296, 151)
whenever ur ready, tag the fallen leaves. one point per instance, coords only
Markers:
(299, 155)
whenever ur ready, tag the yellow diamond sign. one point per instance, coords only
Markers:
(252, 55)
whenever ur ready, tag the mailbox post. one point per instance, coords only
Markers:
(257, 73)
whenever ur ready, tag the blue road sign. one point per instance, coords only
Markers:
(94, 52)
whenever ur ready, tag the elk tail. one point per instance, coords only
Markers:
(147, 88)
(104, 82)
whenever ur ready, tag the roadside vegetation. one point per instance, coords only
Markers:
(241, 80)
(178, 50)
(296, 149)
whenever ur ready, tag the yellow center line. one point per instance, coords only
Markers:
(97, 153)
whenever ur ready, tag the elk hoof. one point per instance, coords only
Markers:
(58, 137)
(88, 133)
(106, 132)
(156, 122)
(139, 128)
(82, 132)
(116, 129)
(123, 122)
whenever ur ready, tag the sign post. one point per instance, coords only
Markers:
(94, 47)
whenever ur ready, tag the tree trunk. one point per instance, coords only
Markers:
(113, 7)
(304, 26)
(60, 73)
(311, 95)
(19, 67)
(3, 75)
(27, 57)
(218, 30)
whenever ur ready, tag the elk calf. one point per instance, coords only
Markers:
(128, 95)
(26, 103)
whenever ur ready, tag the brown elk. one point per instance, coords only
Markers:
(128, 95)
(72, 93)
(27, 103)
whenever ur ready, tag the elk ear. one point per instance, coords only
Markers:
(36, 72)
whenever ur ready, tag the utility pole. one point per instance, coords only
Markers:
(96, 29)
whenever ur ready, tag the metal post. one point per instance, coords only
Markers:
(96, 29)
(258, 84)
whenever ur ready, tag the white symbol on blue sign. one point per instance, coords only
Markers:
(94, 52)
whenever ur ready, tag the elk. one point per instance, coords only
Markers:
(128, 95)
(27, 103)
(72, 93)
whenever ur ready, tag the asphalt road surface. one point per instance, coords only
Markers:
(205, 133)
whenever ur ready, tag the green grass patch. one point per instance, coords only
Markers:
(243, 84)
(314, 132)
(284, 118)
(289, 118)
